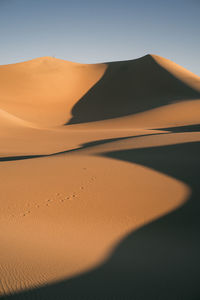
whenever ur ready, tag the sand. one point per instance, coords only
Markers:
(99, 186)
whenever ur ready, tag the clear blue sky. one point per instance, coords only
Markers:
(97, 31)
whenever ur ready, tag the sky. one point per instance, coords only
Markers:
(93, 31)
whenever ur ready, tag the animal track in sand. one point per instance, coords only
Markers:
(58, 197)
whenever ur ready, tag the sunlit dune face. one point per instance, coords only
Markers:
(54, 227)
(43, 91)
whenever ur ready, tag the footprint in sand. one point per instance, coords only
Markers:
(63, 199)
(28, 212)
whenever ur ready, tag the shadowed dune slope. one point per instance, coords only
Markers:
(131, 87)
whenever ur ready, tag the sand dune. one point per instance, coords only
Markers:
(133, 87)
(99, 191)
(44, 90)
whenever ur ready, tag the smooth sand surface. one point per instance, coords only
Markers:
(99, 180)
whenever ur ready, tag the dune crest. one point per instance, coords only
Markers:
(181, 73)
(50, 92)
(132, 87)
(43, 90)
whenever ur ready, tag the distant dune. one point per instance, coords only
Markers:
(99, 180)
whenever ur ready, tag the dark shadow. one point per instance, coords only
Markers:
(82, 147)
(159, 260)
(130, 87)
(20, 157)
(178, 129)
(185, 128)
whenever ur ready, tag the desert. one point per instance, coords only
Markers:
(99, 180)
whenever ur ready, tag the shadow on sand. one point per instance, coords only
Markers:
(158, 261)
(186, 128)
(120, 92)
(82, 147)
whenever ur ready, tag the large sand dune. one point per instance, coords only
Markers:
(99, 180)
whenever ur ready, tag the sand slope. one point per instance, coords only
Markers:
(44, 90)
(93, 159)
